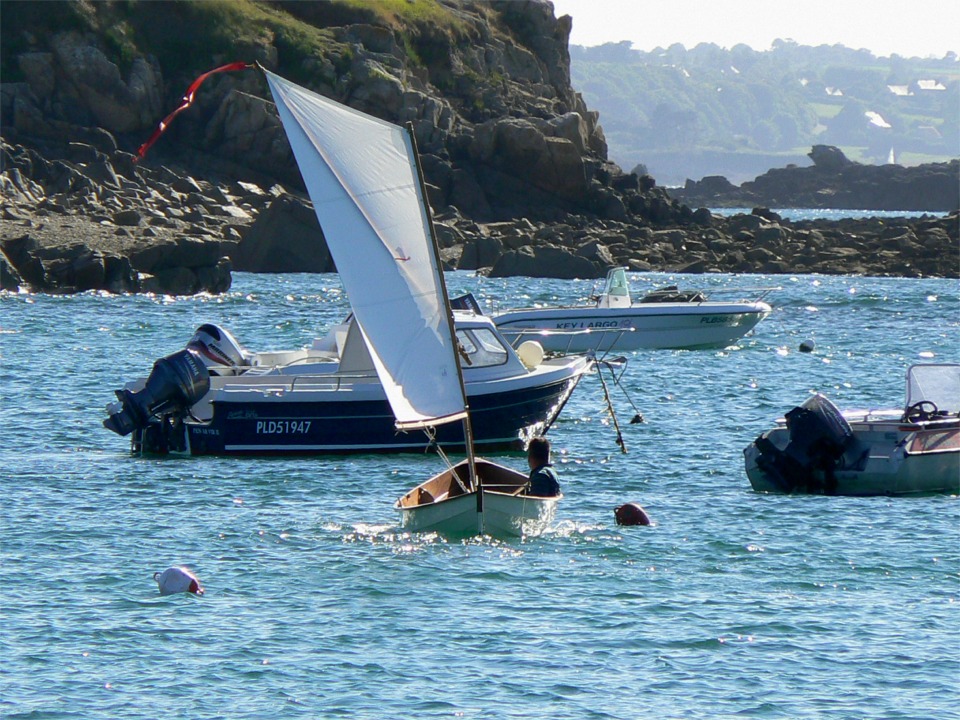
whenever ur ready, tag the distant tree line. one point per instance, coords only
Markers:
(781, 100)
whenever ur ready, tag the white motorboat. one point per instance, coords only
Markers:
(665, 319)
(817, 449)
(364, 177)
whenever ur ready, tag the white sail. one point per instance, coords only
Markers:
(362, 177)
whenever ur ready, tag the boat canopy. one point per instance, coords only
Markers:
(939, 384)
(362, 176)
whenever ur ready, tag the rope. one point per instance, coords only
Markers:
(431, 433)
(616, 424)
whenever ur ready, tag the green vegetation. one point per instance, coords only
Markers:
(739, 101)
(190, 36)
(410, 13)
(185, 36)
(224, 29)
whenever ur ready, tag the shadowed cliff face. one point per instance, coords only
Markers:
(486, 87)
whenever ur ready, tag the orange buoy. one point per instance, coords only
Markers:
(631, 514)
(177, 580)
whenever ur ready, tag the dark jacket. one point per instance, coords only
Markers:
(543, 481)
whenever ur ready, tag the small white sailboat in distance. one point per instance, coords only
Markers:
(364, 178)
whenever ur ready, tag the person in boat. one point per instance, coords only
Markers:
(543, 478)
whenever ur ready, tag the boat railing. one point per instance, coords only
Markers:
(762, 293)
(532, 333)
(288, 383)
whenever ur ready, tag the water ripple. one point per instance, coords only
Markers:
(318, 604)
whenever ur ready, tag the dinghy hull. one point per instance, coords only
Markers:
(444, 505)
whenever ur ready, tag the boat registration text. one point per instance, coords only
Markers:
(283, 427)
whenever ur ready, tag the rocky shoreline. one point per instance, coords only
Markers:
(514, 161)
(834, 182)
(95, 220)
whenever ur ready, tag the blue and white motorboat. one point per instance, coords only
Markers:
(217, 398)
(403, 368)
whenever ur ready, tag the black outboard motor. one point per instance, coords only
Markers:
(175, 384)
(819, 435)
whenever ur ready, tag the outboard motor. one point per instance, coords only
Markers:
(218, 350)
(819, 435)
(176, 383)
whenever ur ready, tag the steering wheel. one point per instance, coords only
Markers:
(920, 411)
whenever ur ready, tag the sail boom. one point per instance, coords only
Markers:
(422, 424)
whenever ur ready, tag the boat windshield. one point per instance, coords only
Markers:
(617, 283)
(616, 292)
(482, 347)
(939, 384)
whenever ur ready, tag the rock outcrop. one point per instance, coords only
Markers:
(100, 222)
(835, 182)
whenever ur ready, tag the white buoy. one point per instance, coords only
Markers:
(177, 580)
(807, 346)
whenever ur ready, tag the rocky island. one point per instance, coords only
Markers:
(834, 181)
(516, 164)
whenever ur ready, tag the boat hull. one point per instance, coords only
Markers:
(639, 327)
(442, 505)
(888, 458)
(275, 420)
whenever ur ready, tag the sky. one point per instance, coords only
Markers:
(910, 28)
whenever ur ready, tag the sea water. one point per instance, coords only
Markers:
(831, 214)
(317, 604)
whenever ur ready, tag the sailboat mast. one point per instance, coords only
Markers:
(467, 425)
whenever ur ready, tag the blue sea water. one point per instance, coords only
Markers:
(798, 214)
(733, 604)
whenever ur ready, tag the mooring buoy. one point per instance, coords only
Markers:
(177, 580)
(631, 514)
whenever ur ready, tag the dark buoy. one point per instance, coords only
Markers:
(807, 346)
(178, 580)
(636, 419)
(631, 514)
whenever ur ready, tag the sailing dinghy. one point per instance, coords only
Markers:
(364, 177)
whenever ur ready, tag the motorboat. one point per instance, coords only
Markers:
(817, 449)
(372, 383)
(217, 398)
(668, 318)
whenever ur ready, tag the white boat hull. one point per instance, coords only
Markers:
(443, 505)
(816, 449)
(639, 327)
(917, 461)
